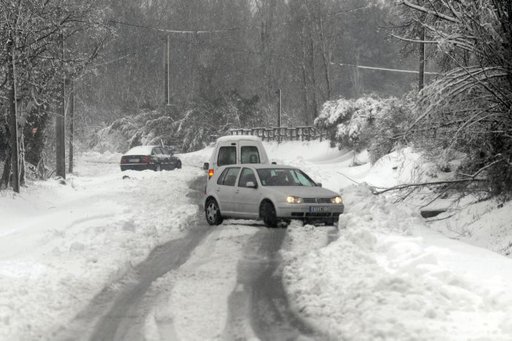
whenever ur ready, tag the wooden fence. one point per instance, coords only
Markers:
(283, 134)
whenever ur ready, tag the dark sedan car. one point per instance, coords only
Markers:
(149, 157)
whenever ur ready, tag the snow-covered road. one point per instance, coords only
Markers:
(103, 258)
(214, 283)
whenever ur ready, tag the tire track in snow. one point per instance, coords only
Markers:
(258, 307)
(119, 311)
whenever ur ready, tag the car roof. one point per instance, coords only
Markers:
(271, 166)
(140, 150)
(261, 166)
(238, 138)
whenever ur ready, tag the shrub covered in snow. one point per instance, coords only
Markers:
(368, 122)
(189, 127)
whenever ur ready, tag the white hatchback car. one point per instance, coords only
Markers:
(272, 193)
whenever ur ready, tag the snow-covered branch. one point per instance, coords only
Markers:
(429, 11)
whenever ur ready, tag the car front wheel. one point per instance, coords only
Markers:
(268, 214)
(212, 212)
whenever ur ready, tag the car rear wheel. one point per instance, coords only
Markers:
(212, 212)
(179, 165)
(268, 214)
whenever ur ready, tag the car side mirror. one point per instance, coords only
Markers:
(251, 184)
(206, 166)
(318, 184)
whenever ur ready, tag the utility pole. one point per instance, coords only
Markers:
(60, 123)
(15, 162)
(421, 78)
(71, 123)
(167, 86)
(279, 115)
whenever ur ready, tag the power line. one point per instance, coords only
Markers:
(384, 69)
(193, 32)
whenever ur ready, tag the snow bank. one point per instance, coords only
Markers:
(486, 224)
(388, 277)
(197, 158)
(399, 167)
(61, 244)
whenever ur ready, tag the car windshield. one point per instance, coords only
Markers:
(284, 177)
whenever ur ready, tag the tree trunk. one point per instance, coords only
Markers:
(60, 127)
(4, 182)
(326, 59)
(311, 64)
(421, 78)
(13, 121)
(21, 158)
(305, 81)
(71, 125)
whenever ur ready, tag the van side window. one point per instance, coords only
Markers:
(250, 154)
(227, 156)
(228, 176)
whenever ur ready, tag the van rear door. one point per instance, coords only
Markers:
(252, 152)
(227, 155)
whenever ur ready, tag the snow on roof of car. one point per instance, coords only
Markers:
(260, 166)
(140, 150)
(267, 166)
(238, 138)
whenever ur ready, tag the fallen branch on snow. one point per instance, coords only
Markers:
(423, 184)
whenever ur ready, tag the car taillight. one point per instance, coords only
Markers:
(123, 159)
(210, 172)
(146, 159)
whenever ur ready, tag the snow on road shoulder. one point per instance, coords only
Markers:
(388, 277)
(62, 244)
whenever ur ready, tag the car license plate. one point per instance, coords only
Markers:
(316, 209)
(133, 160)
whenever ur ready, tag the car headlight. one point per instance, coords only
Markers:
(294, 200)
(337, 200)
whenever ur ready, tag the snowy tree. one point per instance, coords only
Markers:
(368, 122)
(189, 128)
(34, 61)
(469, 108)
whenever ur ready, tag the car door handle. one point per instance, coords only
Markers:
(218, 189)
(237, 191)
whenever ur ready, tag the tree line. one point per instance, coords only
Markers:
(252, 47)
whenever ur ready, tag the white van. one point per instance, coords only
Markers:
(236, 150)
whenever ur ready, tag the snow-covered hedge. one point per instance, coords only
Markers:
(369, 122)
